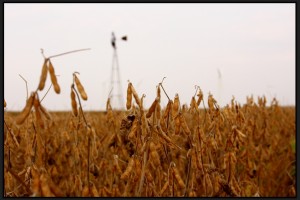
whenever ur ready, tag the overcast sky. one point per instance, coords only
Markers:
(251, 45)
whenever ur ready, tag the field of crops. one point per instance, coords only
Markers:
(195, 150)
(177, 151)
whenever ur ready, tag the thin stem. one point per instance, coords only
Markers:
(143, 171)
(68, 53)
(26, 85)
(166, 152)
(42, 52)
(164, 91)
(196, 87)
(160, 84)
(46, 93)
(11, 134)
(188, 176)
(163, 80)
(110, 92)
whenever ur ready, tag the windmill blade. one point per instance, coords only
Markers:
(124, 38)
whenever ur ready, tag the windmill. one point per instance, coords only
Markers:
(116, 95)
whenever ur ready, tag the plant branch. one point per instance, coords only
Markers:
(68, 53)
(46, 93)
(160, 84)
(26, 85)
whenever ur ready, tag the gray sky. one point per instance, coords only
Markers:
(251, 45)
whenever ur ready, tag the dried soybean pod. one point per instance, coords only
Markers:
(154, 155)
(94, 191)
(211, 102)
(183, 124)
(115, 191)
(129, 96)
(74, 103)
(164, 187)
(36, 183)
(152, 108)
(80, 88)
(128, 169)
(158, 111)
(25, 112)
(178, 177)
(136, 97)
(194, 104)
(207, 184)
(165, 137)
(192, 193)
(158, 92)
(200, 97)
(46, 192)
(110, 115)
(176, 105)
(107, 192)
(56, 190)
(36, 104)
(134, 128)
(43, 75)
(138, 167)
(78, 185)
(144, 125)
(85, 191)
(168, 108)
(53, 78)
(177, 125)
(163, 125)
(149, 176)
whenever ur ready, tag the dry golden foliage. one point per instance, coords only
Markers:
(235, 151)
(94, 191)
(46, 192)
(85, 191)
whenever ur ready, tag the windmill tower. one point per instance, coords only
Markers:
(116, 95)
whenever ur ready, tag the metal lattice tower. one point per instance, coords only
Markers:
(116, 95)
